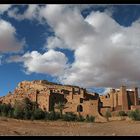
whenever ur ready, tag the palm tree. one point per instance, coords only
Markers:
(61, 107)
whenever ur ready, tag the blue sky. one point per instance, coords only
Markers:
(93, 46)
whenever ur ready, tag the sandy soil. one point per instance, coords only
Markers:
(61, 128)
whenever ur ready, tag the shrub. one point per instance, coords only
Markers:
(90, 118)
(80, 118)
(38, 114)
(32, 117)
(11, 113)
(107, 115)
(57, 116)
(69, 117)
(27, 114)
(122, 113)
(134, 115)
(52, 115)
(18, 113)
(4, 108)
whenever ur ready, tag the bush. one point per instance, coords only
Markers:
(52, 115)
(18, 113)
(57, 116)
(32, 117)
(4, 109)
(90, 118)
(134, 115)
(27, 114)
(69, 117)
(107, 115)
(80, 119)
(38, 114)
(11, 113)
(122, 113)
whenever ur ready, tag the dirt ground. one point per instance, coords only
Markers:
(14, 127)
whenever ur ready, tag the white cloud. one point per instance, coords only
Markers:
(54, 42)
(4, 8)
(106, 53)
(8, 41)
(65, 22)
(51, 62)
(30, 13)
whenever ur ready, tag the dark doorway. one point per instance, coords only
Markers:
(79, 108)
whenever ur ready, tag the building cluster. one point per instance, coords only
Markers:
(76, 99)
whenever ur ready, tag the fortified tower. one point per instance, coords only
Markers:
(124, 98)
(136, 101)
(112, 94)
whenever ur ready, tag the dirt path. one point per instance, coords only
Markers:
(60, 128)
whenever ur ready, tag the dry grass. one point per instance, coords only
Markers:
(61, 128)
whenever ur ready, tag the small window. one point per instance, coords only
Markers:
(81, 100)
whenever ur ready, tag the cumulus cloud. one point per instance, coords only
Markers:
(8, 40)
(54, 42)
(4, 8)
(106, 53)
(65, 22)
(30, 13)
(51, 62)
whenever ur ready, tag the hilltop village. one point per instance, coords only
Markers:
(47, 94)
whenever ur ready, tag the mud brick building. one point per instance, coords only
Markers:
(47, 94)
(120, 99)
